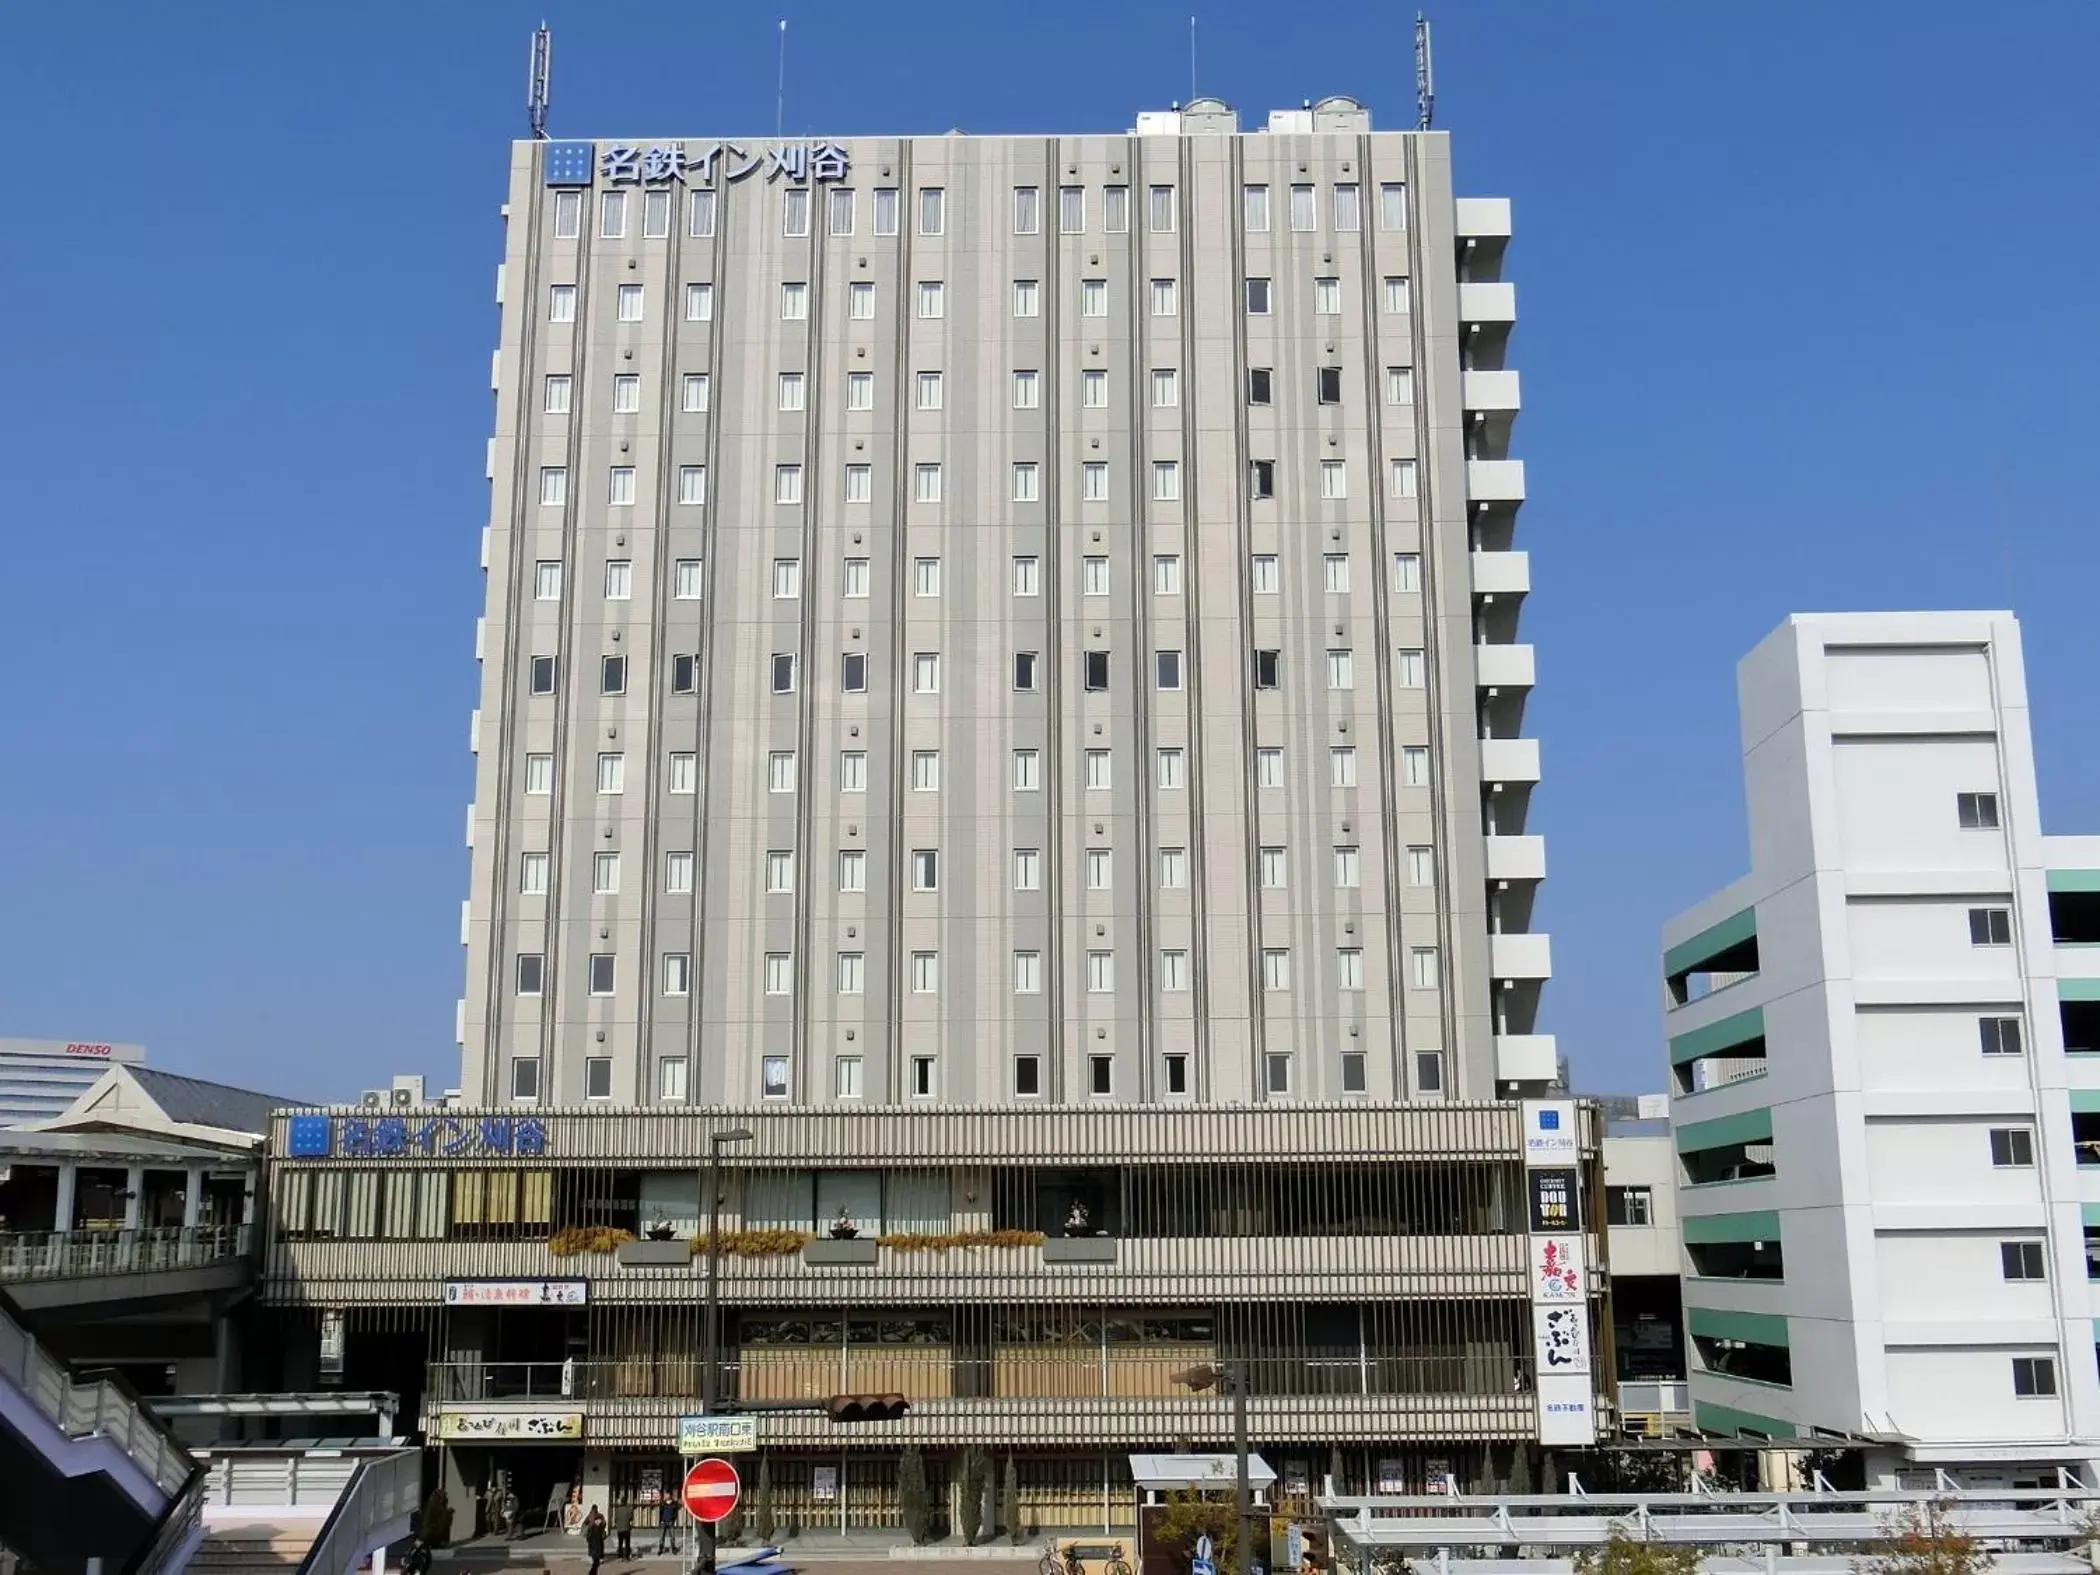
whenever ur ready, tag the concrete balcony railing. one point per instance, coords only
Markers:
(1504, 667)
(1520, 956)
(1492, 393)
(1487, 303)
(1509, 760)
(1501, 573)
(1516, 858)
(66, 1254)
(1495, 480)
(1526, 1058)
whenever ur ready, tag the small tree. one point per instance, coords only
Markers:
(1010, 1502)
(1926, 1541)
(1188, 1515)
(914, 1503)
(763, 1519)
(976, 1470)
(1624, 1555)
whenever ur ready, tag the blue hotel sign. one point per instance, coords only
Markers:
(668, 163)
(439, 1137)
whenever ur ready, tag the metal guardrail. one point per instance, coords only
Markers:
(1654, 1396)
(101, 1405)
(181, 1528)
(64, 1254)
(383, 1488)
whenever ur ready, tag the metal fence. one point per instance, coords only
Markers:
(63, 1254)
(380, 1499)
(97, 1407)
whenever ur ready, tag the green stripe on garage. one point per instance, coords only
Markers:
(2085, 1101)
(1750, 1225)
(2074, 880)
(1710, 1418)
(1746, 1126)
(1710, 942)
(2078, 989)
(1756, 1328)
(1739, 1029)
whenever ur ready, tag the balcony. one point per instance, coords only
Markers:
(1520, 956)
(1516, 858)
(1487, 304)
(1509, 760)
(1483, 218)
(1504, 667)
(1491, 393)
(1501, 573)
(1526, 1058)
(1495, 480)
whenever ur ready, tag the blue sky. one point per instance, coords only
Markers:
(1806, 321)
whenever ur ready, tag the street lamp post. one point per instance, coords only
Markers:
(1210, 1376)
(704, 1559)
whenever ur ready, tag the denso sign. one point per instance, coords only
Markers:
(102, 1050)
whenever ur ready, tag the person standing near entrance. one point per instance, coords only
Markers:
(667, 1524)
(594, 1537)
(623, 1529)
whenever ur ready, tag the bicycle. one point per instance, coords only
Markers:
(1072, 1559)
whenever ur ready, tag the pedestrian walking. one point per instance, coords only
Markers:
(667, 1524)
(510, 1513)
(594, 1537)
(623, 1529)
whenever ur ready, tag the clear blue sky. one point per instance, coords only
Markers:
(1806, 321)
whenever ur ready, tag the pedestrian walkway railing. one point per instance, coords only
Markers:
(62, 1254)
(376, 1507)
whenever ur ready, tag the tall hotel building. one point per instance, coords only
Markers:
(1002, 720)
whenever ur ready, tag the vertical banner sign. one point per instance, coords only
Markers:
(1559, 1273)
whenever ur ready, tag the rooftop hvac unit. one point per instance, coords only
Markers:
(373, 1099)
(404, 1097)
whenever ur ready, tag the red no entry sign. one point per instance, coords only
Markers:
(711, 1490)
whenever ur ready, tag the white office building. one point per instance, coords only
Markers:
(39, 1078)
(1886, 1096)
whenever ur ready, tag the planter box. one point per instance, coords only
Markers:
(859, 1250)
(655, 1254)
(1079, 1249)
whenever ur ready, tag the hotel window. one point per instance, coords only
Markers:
(1268, 669)
(926, 482)
(926, 672)
(773, 1077)
(780, 771)
(853, 771)
(933, 210)
(532, 875)
(1028, 1076)
(1328, 385)
(1093, 298)
(525, 1079)
(2021, 1260)
(1027, 298)
(1334, 478)
(1172, 769)
(1028, 576)
(922, 1076)
(1348, 869)
(685, 674)
(542, 677)
(557, 400)
(926, 771)
(780, 871)
(790, 395)
(612, 773)
(1990, 927)
(1100, 973)
(925, 973)
(2012, 1148)
(794, 211)
(1173, 971)
(1409, 668)
(1392, 205)
(1261, 478)
(1028, 973)
(1407, 573)
(1421, 964)
(1173, 868)
(1166, 480)
(1167, 665)
(656, 215)
(1341, 766)
(780, 973)
(1414, 765)
(1028, 869)
(2000, 1035)
(1403, 478)
(840, 219)
(2034, 1376)
(1100, 869)
(1348, 211)
(860, 390)
(700, 214)
(561, 303)
(1093, 389)
(630, 303)
(612, 675)
(612, 215)
(619, 486)
(694, 389)
(568, 215)
(699, 303)
(1164, 298)
(853, 869)
(1027, 482)
(692, 485)
(1399, 385)
(845, 1073)
(853, 672)
(853, 973)
(1334, 573)
(1115, 209)
(1166, 387)
(546, 581)
(1071, 210)
(1327, 297)
(1099, 767)
(860, 487)
(1160, 210)
(787, 578)
(682, 775)
(929, 385)
(1101, 1074)
(1304, 215)
(1166, 574)
(926, 577)
(1353, 1072)
(783, 672)
(685, 579)
(1421, 866)
(1093, 575)
(554, 486)
(601, 973)
(1094, 671)
(539, 773)
(678, 873)
(1349, 968)
(1028, 210)
(1024, 672)
(932, 298)
(1093, 481)
(1177, 1069)
(1274, 867)
(1028, 393)
(532, 973)
(605, 874)
(670, 1079)
(860, 300)
(1429, 1071)
(794, 302)
(926, 869)
(1254, 208)
(1976, 811)
(1028, 770)
(1261, 384)
(885, 210)
(1275, 969)
(1263, 574)
(1257, 292)
(1396, 295)
(1268, 766)
(787, 483)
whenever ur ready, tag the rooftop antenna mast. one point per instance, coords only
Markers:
(536, 83)
(1192, 57)
(1425, 76)
(780, 90)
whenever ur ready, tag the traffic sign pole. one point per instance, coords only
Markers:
(710, 1493)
